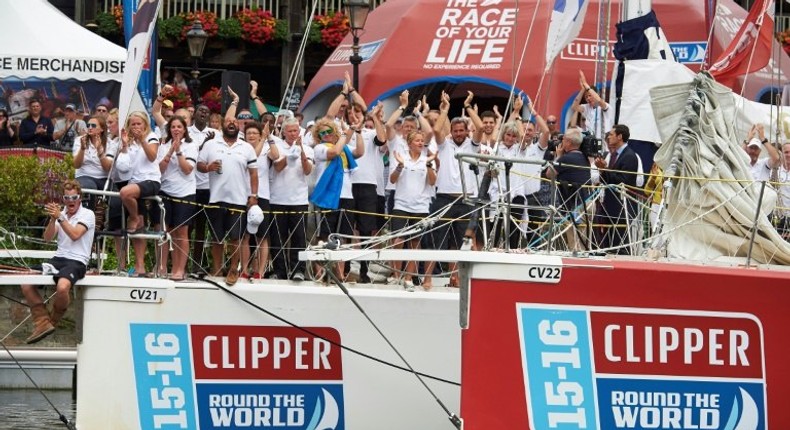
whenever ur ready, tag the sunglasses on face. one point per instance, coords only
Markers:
(71, 197)
(92, 125)
(101, 110)
(551, 122)
(324, 133)
(244, 116)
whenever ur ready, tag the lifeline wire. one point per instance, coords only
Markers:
(69, 424)
(453, 417)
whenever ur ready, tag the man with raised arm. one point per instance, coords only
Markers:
(598, 117)
(230, 162)
(449, 188)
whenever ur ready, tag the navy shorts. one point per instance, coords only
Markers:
(179, 211)
(72, 270)
(228, 221)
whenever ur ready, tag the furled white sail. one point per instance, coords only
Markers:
(713, 204)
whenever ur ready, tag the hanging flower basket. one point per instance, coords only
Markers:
(329, 30)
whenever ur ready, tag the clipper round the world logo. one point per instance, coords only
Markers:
(237, 377)
(626, 368)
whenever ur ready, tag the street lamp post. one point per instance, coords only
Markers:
(357, 11)
(196, 40)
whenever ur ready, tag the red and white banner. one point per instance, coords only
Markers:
(750, 50)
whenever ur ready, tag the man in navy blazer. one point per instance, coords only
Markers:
(622, 161)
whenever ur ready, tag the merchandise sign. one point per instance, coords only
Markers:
(234, 377)
(627, 368)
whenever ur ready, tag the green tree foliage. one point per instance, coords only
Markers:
(27, 183)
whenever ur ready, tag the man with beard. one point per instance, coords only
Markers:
(229, 162)
(449, 188)
(486, 129)
(200, 133)
(74, 227)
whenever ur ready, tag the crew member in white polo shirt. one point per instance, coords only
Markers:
(265, 145)
(289, 202)
(142, 146)
(414, 176)
(230, 162)
(74, 226)
(178, 156)
(201, 133)
(449, 188)
(760, 167)
(365, 179)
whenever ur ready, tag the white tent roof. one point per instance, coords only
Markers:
(41, 42)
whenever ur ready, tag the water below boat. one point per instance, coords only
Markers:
(28, 409)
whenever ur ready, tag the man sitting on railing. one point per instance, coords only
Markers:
(74, 227)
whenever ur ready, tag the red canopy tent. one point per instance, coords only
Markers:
(460, 45)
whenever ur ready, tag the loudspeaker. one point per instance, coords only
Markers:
(240, 82)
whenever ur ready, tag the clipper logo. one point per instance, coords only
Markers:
(244, 377)
(622, 368)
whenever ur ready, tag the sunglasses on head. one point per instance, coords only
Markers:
(92, 125)
(244, 116)
(324, 133)
(71, 197)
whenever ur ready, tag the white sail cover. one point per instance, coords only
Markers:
(712, 206)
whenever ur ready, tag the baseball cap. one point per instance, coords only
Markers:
(70, 106)
(168, 103)
(755, 142)
(254, 219)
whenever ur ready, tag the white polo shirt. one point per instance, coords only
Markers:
(371, 166)
(91, 164)
(80, 249)
(121, 170)
(233, 184)
(289, 186)
(265, 169)
(532, 171)
(594, 117)
(761, 171)
(175, 182)
(198, 136)
(412, 192)
(398, 143)
(144, 169)
(517, 177)
(448, 178)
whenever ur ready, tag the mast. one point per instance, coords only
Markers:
(635, 8)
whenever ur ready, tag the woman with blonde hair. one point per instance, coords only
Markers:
(413, 177)
(117, 163)
(142, 146)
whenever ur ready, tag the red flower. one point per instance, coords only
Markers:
(333, 28)
(206, 18)
(257, 25)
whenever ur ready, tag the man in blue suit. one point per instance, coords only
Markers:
(615, 213)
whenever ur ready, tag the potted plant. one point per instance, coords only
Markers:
(329, 30)
(170, 30)
(110, 24)
(259, 27)
(206, 18)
